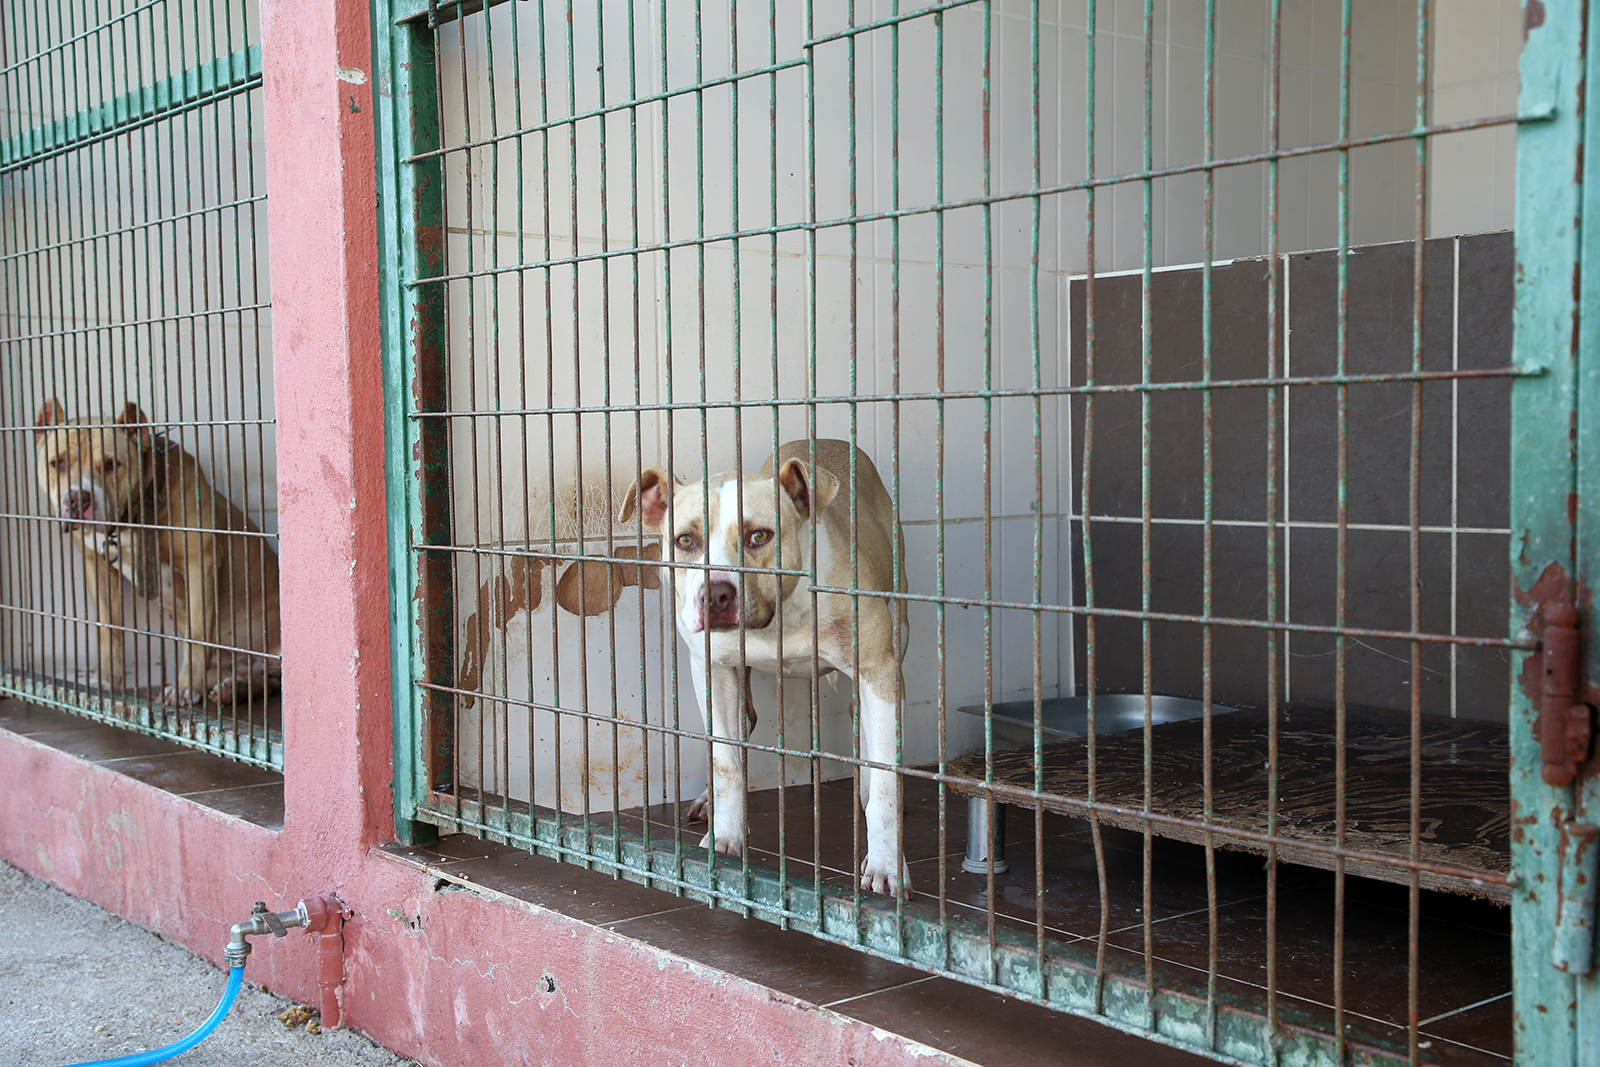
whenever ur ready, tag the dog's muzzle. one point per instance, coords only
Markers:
(77, 507)
(719, 605)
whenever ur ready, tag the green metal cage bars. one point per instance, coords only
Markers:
(612, 232)
(134, 269)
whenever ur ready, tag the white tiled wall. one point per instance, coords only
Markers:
(1473, 176)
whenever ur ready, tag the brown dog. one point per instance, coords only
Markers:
(139, 507)
(733, 522)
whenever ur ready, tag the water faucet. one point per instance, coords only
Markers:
(262, 921)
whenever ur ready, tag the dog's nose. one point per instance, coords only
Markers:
(78, 503)
(720, 597)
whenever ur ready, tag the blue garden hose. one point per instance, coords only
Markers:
(261, 922)
(143, 1059)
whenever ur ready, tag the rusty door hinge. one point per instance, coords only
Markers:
(1566, 741)
(1566, 726)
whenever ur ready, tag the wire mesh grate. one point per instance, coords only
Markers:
(138, 577)
(1178, 337)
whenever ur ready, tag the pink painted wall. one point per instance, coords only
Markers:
(447, 978)
(462, 987)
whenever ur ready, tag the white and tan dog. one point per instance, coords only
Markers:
(737, 615)
(139, 507)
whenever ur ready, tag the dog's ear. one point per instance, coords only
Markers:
(649, 496)
(810, 488)
(138, 423)
(51, 414)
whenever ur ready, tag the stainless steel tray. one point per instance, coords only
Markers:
(1062, 717)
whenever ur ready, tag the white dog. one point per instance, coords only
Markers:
(742, 610)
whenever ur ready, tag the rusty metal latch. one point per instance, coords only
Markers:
(1566, 727)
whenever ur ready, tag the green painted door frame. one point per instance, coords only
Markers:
(411, 239)
(1555, 504)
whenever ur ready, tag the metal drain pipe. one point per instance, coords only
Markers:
(319, 915)
(325, 917)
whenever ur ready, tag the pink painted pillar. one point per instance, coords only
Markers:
(316, 55)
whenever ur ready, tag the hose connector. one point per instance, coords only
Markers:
(262, 921)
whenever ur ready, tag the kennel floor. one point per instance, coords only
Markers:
(251, 729)
(1465, 788)
(1464, 1009)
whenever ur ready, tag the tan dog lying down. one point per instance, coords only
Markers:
(707, 528)
(139, 507)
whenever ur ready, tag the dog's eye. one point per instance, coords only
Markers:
(759, 538)
(60, 465)
(686, 541)
(109, 465)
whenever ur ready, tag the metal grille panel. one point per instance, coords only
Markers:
(134, 263)
(1155, 321)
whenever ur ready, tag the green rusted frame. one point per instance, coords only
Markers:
(438, 11)
(411, 243)
(1585, 511)
(1552, 541)
(207, 83)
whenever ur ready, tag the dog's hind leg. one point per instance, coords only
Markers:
(884, 869)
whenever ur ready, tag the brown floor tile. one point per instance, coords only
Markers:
(997, 1031)
(591, 896)
(786, 960)
(795, 825)
(187, 771)
(1486, 1027)
(27, 719)
(259, 804)
(1072, 905)
(1191, 983)
(98, 743)
(942, 1012)
(241, 790)
(1455, 971)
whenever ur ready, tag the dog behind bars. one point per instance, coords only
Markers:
(744, 613)
(139, 508)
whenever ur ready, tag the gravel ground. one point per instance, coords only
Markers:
(77, 983)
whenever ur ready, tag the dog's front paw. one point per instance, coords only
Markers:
(879, 877)
(105, 682)
(699, 810)
(728, 844)
(232, 691)
(180, 697)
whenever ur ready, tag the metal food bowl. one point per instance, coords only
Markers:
(1063, 717)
